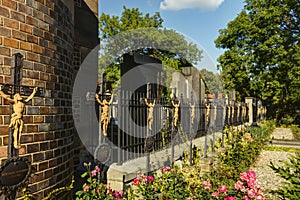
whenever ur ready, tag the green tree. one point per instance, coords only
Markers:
(212, 81)
(262, 54)
(135, 32)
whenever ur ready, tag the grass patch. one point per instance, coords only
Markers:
(278, 148)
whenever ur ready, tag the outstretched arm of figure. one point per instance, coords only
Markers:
(5, 96)
(98, 100)
(154, 102)
(146, 102)
(173, 103)
(32, 94)
(111, 99)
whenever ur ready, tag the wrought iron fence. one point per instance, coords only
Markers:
(129, 130)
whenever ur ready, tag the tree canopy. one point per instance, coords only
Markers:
(142, 33)
(213, 81)
(262, 54)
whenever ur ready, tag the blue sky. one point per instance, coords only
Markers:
(198, 20)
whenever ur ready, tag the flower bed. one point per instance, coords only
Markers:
(229, 178)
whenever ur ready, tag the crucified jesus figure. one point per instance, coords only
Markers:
(150, 113)
(207, 112)
(16, 121)
(104, 113)
(192, 107)
(176, 115)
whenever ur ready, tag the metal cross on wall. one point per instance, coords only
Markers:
(12, 92)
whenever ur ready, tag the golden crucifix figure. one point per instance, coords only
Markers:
(229, 112)
(215, 112)
(207, 112)
(224, 112)
(192, 106)
(238, 111)
(176, 115)
(104, 113)
(16, 121)
(150, 113)
(244, 111)
(258, 114)
(232, 111)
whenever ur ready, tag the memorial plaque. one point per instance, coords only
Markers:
(102, 153)
(14, 172)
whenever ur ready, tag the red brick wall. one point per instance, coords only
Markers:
(42, 31)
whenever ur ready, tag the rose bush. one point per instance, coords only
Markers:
(94, 189)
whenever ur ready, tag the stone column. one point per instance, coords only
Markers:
(250, 101)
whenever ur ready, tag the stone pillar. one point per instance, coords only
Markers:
(206, 165)
(250, 101)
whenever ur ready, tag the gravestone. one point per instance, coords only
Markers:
(137, 70)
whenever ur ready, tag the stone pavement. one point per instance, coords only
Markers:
(282, 134)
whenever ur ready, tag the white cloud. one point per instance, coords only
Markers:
(184, 4)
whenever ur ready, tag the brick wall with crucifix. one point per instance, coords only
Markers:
(43, 32)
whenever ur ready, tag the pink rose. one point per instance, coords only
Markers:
(251, 183)
(86, 188)
(229, 198)
(243, 176)
(165, 169)
(250, 139)
(150, 178)
(206, 185)
(136, 181)
(222, 189)
(251, 193)
(145, 180)
(260, 196)
(257, 187)
(97, 169)
(239, 186)
(245, 197)
(215, 194)
(94, 173)
(108, 187)
(118, 194)
(251, 175)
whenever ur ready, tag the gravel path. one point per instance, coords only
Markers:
(266, 176)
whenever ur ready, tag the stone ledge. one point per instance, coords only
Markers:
(120, 175)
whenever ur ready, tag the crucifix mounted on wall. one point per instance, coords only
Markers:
(15, 171)
(13, 94)
(16, 121)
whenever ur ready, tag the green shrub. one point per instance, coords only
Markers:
(286, 121)
(290, 171)
(296, 131)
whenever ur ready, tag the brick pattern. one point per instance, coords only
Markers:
(43, 32)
